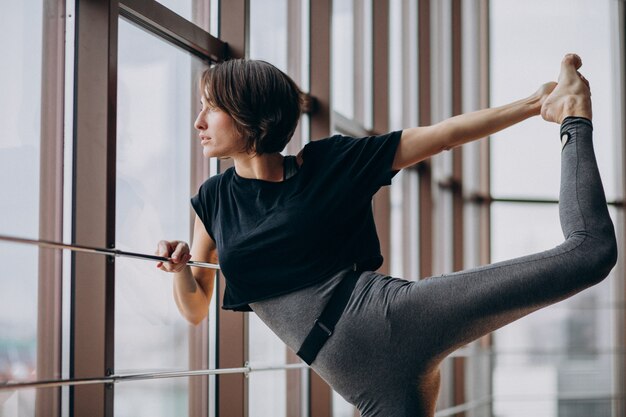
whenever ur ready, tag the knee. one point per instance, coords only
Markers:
(608, 255)
(599, 257)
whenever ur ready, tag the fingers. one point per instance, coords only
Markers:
(163, 249)
(177, 251)
(180, 251)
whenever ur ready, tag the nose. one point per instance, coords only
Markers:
(200, 123)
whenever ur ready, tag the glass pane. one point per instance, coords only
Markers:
(364, 94)
(17, 403)
(196, 11)
(562, 351)
(268, 32)
(341, 408)
(525, 158)
(182, 8)
(20, 109)
(522, 229)
(343, 57)
(139, 398)
(267, 390)
(155, 93)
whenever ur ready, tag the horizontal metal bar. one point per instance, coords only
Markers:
(100, 251)
(247, 369)
(487, 199)
(166, 24)
(470, 405)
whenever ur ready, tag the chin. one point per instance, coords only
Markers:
(207, 153)
(211, 153)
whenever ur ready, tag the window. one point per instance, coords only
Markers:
(156, 109)
(351, 61)
(561, 356)
(31, 155)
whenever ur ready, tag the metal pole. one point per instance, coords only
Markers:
(100, 251)
(145, 376)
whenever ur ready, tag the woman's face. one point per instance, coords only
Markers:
(217, 132)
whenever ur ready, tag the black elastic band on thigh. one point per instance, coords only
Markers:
(324, 325)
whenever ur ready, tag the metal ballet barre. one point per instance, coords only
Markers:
(100, 251)
(246, 369)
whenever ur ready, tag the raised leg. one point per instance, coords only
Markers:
(460, 307)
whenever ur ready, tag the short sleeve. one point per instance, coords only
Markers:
(366, 162)
(201, 203)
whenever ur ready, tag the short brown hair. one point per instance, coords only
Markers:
(262, 100)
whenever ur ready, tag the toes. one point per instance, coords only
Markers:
(572, 60)
(569, 66)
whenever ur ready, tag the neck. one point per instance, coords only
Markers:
(267, 167)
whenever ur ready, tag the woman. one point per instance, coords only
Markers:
(290, 231)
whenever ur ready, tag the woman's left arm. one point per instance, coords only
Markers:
(419, 143)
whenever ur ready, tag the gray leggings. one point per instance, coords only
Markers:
(394, 333)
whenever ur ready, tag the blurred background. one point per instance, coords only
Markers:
(97, 147)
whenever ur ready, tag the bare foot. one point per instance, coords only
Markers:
(542, 94)
(571, 97)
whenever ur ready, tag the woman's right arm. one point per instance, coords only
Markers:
(419, 143)
(193, 286)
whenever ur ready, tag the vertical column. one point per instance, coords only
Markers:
(358, 56)
(232, 390)
(458, 386)
(409, 112)
(382, 199)
(320, 49)
(424, 168)
(295, 34)
(381, 65)
(619, 407)
(485, 175)
(94, 203)
(51, 206)
(198, 335)
(320, 14)
(485, 189)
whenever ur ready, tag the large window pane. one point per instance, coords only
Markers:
(196, 11)
(561, 357)
(268, 32)
(20, 108)
(267, 390)
(561, 360)
(525, 158)
(155, 93)
(343, 57)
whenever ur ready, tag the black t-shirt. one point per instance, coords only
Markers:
(276, 237)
